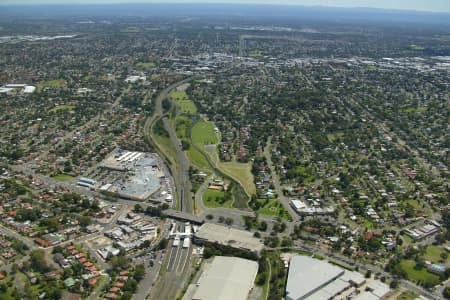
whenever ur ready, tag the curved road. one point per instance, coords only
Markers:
(181, 171)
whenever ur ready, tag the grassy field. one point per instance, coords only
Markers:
(179, 95)
(212, 198)
(407, 295)
(203, 133)
(197, 158)
(187, 106)
(274, 209)
(145, 65)
(182, 100)
(62, 177)
(238, 171)
(165, 146)
(51, 84)
(61, 107)
(417, 109)
(433, 253)
(418, 275)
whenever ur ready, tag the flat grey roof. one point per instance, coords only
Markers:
(307, 275)
(229, 236)
(226, 278)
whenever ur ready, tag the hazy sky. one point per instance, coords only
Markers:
(424, 5)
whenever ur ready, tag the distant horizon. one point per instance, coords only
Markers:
(435, 6)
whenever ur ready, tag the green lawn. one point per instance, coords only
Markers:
(179, 95)
(51, 84)
(187, 106)
(407, 295)
(418, 275)
(197, 158)
(62, 177)
(274, 209)
(203, 133)
(61, 107)
(182, 100)
(146, 65)
(212, 198)
(433, 253)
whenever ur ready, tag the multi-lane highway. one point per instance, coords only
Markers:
(180, 170)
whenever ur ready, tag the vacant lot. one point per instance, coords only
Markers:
(407, 295)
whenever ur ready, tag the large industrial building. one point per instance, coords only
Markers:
(224, 235)
(314, 279)
(225, 278)
(139, 176)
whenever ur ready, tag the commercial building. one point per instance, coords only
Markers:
(314, 279)
(302, 209)
(226, 278)
(224, 235)
(136, 176)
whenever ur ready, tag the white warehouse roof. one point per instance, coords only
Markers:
(308, 275)
(226, 278)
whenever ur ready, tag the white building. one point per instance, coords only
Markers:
(226, 278)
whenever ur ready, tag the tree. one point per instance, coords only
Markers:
(393, 284)
(446, 292)
(38, 262)
(262, 226)
(138, 208)
(52, 224)
(85, 221)
(162, 244)
(139, 272)
(229, 221)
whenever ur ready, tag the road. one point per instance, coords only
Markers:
(29, 243)
(180, 170)
(276, 182)
(151, 274)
